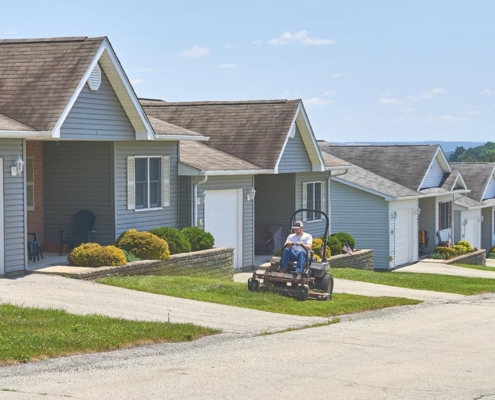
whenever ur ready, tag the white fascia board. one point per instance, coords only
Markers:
(445, 164)
(190, 170)
(321, 166)
(488, 183)
(287, 137)
(25, 134)
(182, 137)
(363, 188)
(339, 168)
(75, 95)
(443, 158)
(458, 177)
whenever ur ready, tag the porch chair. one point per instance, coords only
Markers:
(83, 224)
(423, 241)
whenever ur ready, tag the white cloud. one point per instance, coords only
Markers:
(471, 112)
(229, 46)
(337, 75)
(446, 118)
(487, 92)
(390, 101)
(259, 41)
(316, 101)
(144, 69)
(136, 81)
(194, 52)
(408, 110)
(299, 37)
(330, 93)
(229, 66)
(433, 93)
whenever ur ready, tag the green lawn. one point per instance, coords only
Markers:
(480, 267)
(437, 283)
(236, 294)
(30, 334)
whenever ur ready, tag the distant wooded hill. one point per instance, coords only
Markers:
(448, 147)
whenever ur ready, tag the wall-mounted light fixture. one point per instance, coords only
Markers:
(393, 215)
(18, 167)
(250, 196)
(201, 198)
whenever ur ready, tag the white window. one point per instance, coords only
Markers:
(445, 215)
(29, 171)
(148, 182)
(314, 198)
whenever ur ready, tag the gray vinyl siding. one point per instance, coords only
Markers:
(434, 175)
(295, 157)
(14, 212)
(185, 201)
(457, 225)
(427, 220)
(146, 219)
(275, 202)
(78, 176)
(97, 115)
(316, 228)
(244, 182)
(487, 228)
(365, 217)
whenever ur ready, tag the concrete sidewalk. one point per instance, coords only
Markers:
(427, 267)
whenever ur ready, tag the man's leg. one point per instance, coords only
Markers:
(301, 260)
(286, 255)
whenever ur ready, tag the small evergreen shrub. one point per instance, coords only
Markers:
(177, 241)
(446, 252)
(344, 238)
(130, 257)
(335, 246)
(94, 255)
(492, 250)
(491, 255)
(199, 239)
(144, 245)
(464, 247)
(437, 256)
(317, 249)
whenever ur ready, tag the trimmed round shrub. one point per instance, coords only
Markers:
(492, 250)
(130, 257)
(491, 255)
(335, 246)
(177, 241)
(345, 238)
(317, 248)
(464, 247)
(446, 252)
(437, 256)
(94, 255)
(144, 245)
(199, 239)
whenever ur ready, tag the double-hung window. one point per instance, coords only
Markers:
(148, 182)
(444, 215)
(29, 171)
(314, 198)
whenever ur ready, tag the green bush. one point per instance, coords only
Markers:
(437, 256)
(464, 247)
(199, 239)
(491, 255)
(344, 238)
(492, 250)
(130, 257)
(177, 241)
(317, 247)
(446, 252)
(94, 255)
(144, 245)
(335, 246)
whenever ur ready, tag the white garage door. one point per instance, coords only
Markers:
(471, 230)
(223, 219)
(2, 238)
(403, 236)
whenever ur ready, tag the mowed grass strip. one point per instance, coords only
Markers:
(437, 283)
(30, 334)
(479, 267)
(237, 294)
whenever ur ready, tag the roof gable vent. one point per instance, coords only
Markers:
(94, 79)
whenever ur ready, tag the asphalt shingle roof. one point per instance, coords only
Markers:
(39, 76)
(404, 164)
(254, 131)
(476, 175)
(164, 128)
(9, 124)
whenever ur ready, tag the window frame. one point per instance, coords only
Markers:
(147, 183)
(309, 216)
(444, 215)
(30, 182)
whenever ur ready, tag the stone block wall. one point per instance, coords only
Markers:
(360, 259)
(213, 263)
(476, 258)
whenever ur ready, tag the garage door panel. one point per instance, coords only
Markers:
(403, 236)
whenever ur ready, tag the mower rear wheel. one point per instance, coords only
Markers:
(325, 283)
(253, 285)
(302, 293)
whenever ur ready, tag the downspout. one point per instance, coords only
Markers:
(195, 200)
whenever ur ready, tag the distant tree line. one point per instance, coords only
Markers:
(483, 153)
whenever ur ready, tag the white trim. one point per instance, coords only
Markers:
(165, 181)
(321, 167)
(24, 134)
(459, 176)
(443, 161)
(2, 226)
(189, 170)
(32, 182)
(488, 184)
(182, 137)
(131, 183)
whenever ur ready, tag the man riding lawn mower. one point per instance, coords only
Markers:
(297, 274)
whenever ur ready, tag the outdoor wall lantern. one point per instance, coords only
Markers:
(18, 167)
(201, 198)
(250, 196)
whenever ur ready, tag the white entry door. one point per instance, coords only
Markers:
(404, 236)
(223, 219)
(471, 229)
(2, 238)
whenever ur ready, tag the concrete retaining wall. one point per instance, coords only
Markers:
(476, 258)
(360, 259)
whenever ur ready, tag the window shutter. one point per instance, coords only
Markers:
(131, 191)
(439, 216)
(305, 200)
(323, 199)
(166, 181)
(450, 214)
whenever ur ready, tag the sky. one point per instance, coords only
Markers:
(365, 70)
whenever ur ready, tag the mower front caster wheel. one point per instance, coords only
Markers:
(302, 293)
(253, 285)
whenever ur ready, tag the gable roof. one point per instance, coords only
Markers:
(477, 176)
(406, 165)
(9, 124)
(372, 183)
(207, 160)
(255, 131)
(40, 80)
(163, 128)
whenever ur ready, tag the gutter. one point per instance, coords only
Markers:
(25, 134)
(182, 137)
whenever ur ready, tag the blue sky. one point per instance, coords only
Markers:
(366, 70)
